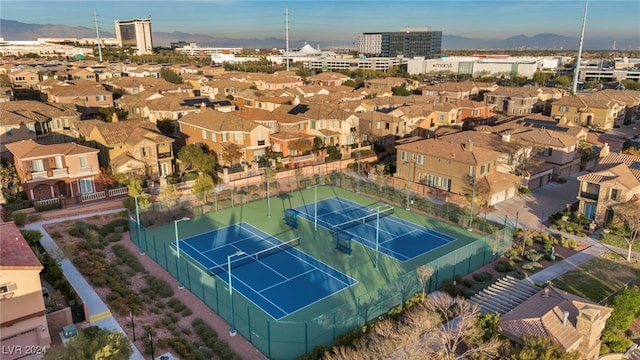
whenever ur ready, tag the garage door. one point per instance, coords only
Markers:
(497, 197)
(511, 192)
(14, 347)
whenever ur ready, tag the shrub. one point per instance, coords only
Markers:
(113, 237)
(120, 224)
(504, 266)
(128, 258)
(56, 235)
(483, 276)
(157, 286)
(19, 217)
(34, 217)
(32, 236)
(532, 255)
(524, 190)
(532, 266)
(568, 243)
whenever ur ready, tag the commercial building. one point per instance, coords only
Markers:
(409, 43)
(135, 33)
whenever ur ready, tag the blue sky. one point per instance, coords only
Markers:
(342, 20)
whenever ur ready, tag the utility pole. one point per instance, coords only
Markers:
(473, 196)
(286, 29)
(574, 85)
(95, 19)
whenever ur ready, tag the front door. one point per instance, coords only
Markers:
(63, 189)
(590, 211)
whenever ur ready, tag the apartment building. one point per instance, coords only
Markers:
(23, 321)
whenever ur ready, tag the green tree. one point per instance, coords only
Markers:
(541, 77)
(631, 84)
(166, 128)
(301, 146)
(562, 81)
(135, 189)
(9, 178)
(540, 348)
(629, 215)
(204, 183)
(94, 343)
(400, 90)
(194, 157)
(170, 76)
(107, 113)
(489, 325)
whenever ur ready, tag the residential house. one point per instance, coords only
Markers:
(455, 167)
(615, 180)
(428, 117)
(282, 142)
(23, 84)
(512, 100)
(571, 322)
(81, 74)
(275, 81)
(87, 98)
(452, 90)
(474, 112)
(390, 82)
(334, 126)
(6, 94)
(217, 130)
(630, 99)
(555, 148)
(328, 78)
(381, 128)
(134, 85)
(594, 112)
(56, 171)
(23, 320)
(275, 121)
(133, 146)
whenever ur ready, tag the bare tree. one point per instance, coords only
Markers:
(441, 328)
(231, 153)
(301, 146)
(629, 214)
(424, 273)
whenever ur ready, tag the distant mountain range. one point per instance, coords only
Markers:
(15, 30)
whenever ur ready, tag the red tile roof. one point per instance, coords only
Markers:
(15, 253)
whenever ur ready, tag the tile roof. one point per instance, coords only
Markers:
(139, 134)
(219, 121)
(544, 312)
(77, 90)
(257, 114)
(15, 253)
(114, 132)
(622, 168)
(29, 149)
(451, 150)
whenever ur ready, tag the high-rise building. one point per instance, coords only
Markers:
(135, 33)
(410, 42)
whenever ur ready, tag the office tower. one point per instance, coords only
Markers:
(410, 42)
(135, 33)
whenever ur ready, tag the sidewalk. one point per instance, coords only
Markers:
(99, 314)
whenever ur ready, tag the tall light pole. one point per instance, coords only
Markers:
(315, 207)
(232, 330)
(576, 72)
(358, 175)
(473, 195)
(268, 192)
(175, 225)
(408, 182)
(377, 234)
(135, 198)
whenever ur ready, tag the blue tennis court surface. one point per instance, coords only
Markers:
(281, 281)
(400, 239)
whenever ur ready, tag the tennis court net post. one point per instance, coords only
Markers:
(248, 258)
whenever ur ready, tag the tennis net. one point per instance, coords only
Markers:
(247, 258)
(384, 212)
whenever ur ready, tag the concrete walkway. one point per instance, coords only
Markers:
(99, 314)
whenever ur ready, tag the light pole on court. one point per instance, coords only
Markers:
(232, 330)
(175, 225)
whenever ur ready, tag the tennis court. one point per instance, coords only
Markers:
(272, 274)
(398, 238)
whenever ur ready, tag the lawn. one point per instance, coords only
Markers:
(599, 278)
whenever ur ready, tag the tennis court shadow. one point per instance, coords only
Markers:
(285, 197)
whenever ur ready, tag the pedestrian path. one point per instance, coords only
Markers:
(99, 314)
(566, 265)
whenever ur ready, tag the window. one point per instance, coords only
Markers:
(378, 125)
(546, 152)
(83, 160)
(420, 159)
(144, 152)
(31, 128)
(484, 169)
(236, 137)
(564, 109)
(101, 98)
(8, 131)
(440, 117)
(472, 170)
(313, 124)
(386, 126)
(492, 99)
(204, 134)
(86, 186)
(224, 137)
(38, 165)
(615, 194)
(58, 162)
(403, 156)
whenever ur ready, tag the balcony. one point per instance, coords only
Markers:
(261, 142)
(165, 155)
(60, 172)
(587, 195)
(39, 175)
(85, 170)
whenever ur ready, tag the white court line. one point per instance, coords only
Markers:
(282, 282)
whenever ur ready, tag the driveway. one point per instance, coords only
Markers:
(542, 202)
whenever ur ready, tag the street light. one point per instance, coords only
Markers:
(175, 225)
(232, 330)
(135, 198)
(408, 182)
(133, 326)
(315, 207)
(473, 195)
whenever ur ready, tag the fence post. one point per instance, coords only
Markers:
(269, 339)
